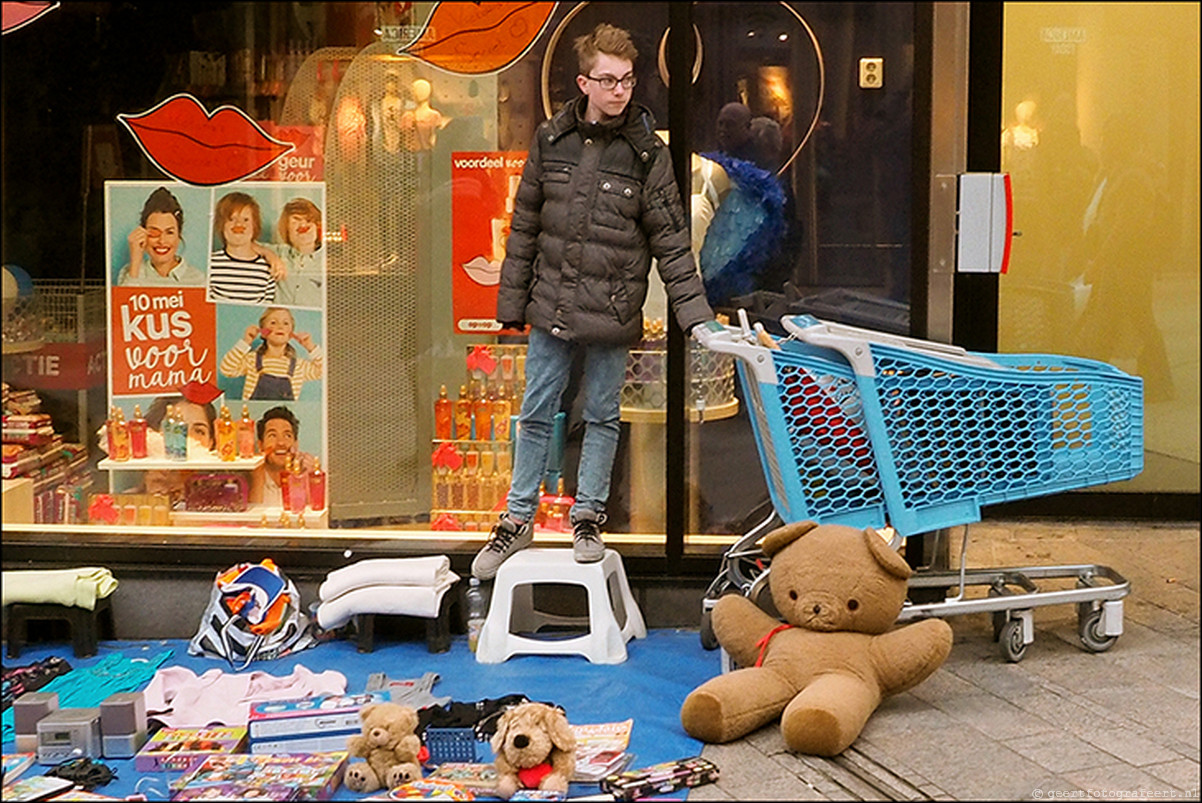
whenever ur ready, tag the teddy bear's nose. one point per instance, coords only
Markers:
(521, 740)
(817, 609)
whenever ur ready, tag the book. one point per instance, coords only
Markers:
(179, 749)
(35, 787)
(283, 777)
(426, 789)
(601, 749)
(480, 779)
(15, 764)
(309, 716)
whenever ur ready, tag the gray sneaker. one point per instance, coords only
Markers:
(587, 546)
(506, 538)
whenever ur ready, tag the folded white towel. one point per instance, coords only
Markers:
(428, 571)
(71, 587)
(423, 601)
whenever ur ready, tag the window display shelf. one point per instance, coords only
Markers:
(191, 464)
(251, 517)
(22, 346)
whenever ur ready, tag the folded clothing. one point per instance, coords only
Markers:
(430, 571)
(78, 588)
(178, 698)
(423, 601)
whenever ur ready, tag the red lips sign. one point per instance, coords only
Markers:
(206, 149)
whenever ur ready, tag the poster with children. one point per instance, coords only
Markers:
(217, 302)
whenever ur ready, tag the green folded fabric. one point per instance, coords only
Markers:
(78, 588)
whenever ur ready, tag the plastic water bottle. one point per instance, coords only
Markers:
(477, 608)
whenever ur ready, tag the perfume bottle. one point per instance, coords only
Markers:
(463, 415)
(521, 376)
(471, 479)
(317, 486)
(246, 434)
(501, 411)
(488, 467)
(286, 486)
(108, 431)
(172, 445)
(137, 434)
(298, 488)
(227, 436)
(440, 496)
(119, 430)
(481, 417)
(443, 416)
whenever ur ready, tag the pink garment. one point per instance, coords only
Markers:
(179, 699)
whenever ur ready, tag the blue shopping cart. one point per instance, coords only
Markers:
(910, 436)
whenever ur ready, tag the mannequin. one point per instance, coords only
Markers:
(1023, 135)
(710, 185)
(391, 113)
(420, 126)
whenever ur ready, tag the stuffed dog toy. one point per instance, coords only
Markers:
(535, 749)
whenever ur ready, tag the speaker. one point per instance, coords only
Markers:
(122, 714)
(31, 707)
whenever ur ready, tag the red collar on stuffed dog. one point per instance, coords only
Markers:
(531, 777)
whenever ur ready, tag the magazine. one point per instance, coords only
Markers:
(15, 764)
(601, 749)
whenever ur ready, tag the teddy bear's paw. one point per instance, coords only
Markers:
(815, 732)
(361, 778)
(403, 773)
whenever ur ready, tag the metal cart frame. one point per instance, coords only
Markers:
(822, 396)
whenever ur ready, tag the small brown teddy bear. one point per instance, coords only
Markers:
(535, 749)
(840, 591)
(389, 743)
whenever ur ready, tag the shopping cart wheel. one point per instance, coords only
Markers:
(1011, 641)
(1089, 628)
(709, 641)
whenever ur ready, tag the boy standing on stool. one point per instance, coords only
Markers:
(598, 199)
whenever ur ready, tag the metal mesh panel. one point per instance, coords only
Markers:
(710, 379)
(372, 303)
(957, 433)
(71, 311)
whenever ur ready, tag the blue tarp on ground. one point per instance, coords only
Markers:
(649, 687)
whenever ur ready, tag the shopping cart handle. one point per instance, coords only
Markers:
(855, 343)
(741, 342)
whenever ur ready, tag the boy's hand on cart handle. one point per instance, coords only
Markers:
(707, 332)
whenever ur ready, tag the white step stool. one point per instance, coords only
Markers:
(613, 616)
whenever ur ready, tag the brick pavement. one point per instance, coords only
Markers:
(1061, 723)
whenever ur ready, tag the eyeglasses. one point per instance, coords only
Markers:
(609, 83)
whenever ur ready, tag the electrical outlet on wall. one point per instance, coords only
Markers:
(872, 73)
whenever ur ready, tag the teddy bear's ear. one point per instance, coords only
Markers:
(781, 537)
(365, 711)
(890, 561)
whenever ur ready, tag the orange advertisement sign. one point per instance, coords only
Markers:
(483, 186)
(161, 339)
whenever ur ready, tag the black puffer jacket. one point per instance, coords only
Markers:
(596, 203)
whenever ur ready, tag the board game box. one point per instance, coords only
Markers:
(309, 716)
(240, 777)
(178, 749)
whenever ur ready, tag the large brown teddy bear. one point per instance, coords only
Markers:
(840, 591)
(389, 743)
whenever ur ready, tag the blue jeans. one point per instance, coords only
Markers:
(548, 364)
